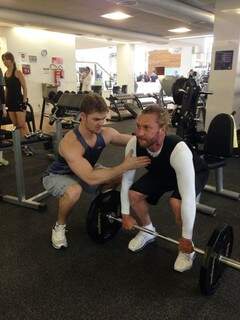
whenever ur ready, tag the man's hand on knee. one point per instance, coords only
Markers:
(128, 222)
(185, 245)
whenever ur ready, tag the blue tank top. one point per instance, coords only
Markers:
(91, 154)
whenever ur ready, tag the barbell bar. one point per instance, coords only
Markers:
(103, 223)
(229, 262)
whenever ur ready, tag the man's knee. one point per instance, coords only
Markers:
(73, 192)
(135, 197)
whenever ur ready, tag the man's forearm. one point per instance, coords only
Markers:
(100, 176)
(127, 181)
(188, 212)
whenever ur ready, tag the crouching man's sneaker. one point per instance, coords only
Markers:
(141, 240)
(4, 162)
(184, 261)
(58, 236)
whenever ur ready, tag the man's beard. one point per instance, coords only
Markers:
(146, 143)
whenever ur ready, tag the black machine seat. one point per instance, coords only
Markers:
(68, 105)
(214, 162)
(219, 139)
(5, 144)
(217, 147)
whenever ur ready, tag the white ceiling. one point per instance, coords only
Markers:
(150, 22)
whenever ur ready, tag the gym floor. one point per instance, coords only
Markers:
(90, 281)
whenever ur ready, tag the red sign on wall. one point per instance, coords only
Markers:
(26, 69)
(57, 60)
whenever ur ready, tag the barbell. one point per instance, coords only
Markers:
(104, 221)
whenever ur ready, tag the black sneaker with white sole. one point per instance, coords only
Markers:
(27, 151)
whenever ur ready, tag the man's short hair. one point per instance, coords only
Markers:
(162, 115)
(93, 102)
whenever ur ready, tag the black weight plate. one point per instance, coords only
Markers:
(99, 227)
(220, 243)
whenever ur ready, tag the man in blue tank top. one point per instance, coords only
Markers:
(175, 168)
(75, 169)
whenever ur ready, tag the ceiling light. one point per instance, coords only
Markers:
(124, 2)
(117, 15)
(232, 11)
(192, 37)
(180, 30)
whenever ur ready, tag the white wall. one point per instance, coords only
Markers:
(3, 48)
(32, 42)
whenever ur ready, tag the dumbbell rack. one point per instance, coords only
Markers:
(20, 199)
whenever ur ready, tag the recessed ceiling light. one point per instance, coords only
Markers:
(232, 11)
(117, 15)
(124, 2)
(193, 37)
(179, 30)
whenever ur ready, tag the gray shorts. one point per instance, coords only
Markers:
(56, 184)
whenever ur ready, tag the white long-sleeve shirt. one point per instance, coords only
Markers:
(181, 161)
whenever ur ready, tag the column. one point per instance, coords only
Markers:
(125, 66)
(224, 79)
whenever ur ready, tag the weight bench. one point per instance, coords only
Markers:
(30, 120)
(217, 147)
(120, 103)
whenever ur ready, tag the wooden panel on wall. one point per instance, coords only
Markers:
(163, 58)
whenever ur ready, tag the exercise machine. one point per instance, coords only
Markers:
(20, 198)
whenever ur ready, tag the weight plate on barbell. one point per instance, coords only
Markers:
(220, 243)
(99, 227)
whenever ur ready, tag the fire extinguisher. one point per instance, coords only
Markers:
(57, 77)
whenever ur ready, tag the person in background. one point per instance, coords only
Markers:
(190, 73)
(16, 96)
(80, 79)
(153, 76)
(3, 113)
(140, 77)
(146, 77)
(87, 80)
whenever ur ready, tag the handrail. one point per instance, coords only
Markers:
(108, 73)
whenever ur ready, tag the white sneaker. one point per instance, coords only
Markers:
(58, 236)
(4, 162)
(184, 261)
(140, 241)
